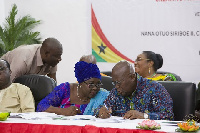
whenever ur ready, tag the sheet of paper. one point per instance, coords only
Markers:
(33, 115)
(112, 119)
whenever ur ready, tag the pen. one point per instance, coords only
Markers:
(105, 106)
(109, 109)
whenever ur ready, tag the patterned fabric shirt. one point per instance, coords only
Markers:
(164, 77)
(149, 97)
(60, 97)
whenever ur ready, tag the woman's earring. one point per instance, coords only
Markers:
(149, 70)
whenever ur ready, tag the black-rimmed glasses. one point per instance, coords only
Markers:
(99, 85)
(118, 82)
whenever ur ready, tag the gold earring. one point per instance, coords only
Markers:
(149, 70)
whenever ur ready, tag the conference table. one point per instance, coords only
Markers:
(41, 122)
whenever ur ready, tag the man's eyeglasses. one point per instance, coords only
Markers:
(99, 85)
(118, 82)
(2, 68)
(140, 59)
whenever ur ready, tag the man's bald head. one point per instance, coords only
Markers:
(89, 59)
(51, 43)
(124, 78)
(123, 67)
(51, 51)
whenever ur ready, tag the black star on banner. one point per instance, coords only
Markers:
(102, 48)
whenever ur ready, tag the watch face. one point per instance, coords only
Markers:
(145, 116)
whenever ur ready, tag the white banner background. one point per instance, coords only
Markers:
(124, 23)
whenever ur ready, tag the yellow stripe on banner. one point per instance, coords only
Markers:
(109, 55)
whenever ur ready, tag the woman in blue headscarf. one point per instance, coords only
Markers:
(72, 98)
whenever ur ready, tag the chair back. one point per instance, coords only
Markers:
(198, 97)
(107, 82)
(178, 78)
(40, 85)
(183, 95)
(108, 73)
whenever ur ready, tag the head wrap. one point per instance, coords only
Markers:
(85, 71)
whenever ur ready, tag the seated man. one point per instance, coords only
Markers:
(90, 59)
(14, 97)
(135, 97)
(35, 59)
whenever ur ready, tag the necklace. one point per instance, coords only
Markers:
(79, 96)
(153, 75)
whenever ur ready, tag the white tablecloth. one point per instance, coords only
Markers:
(82, 120)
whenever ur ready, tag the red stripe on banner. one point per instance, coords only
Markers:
(98, 29)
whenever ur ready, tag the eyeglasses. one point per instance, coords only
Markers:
(2, 68)
(99, 85)
(118, 82)
(140, 59)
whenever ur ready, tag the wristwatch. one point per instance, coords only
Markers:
(146, 116)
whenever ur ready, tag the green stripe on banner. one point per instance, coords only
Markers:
(98, 58)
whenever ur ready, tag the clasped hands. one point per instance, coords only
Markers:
(131, 114)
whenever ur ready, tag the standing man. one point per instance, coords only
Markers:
(135, 97)
(35, 59)
(14, 97)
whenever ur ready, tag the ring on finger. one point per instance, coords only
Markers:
(76, 109)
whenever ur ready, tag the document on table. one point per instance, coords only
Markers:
(53, 116)
(33, 115)
(112, 119)
(76, 117)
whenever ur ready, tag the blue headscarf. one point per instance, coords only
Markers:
(85, 71)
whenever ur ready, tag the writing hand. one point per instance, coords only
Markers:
(105, 112)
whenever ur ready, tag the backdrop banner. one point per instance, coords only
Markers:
(122, 29)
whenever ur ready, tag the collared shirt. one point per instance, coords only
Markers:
(149, 97)
(26, 59)
(16, 98)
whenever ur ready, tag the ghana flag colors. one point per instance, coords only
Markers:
(102, 49)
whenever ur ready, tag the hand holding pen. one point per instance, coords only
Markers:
(105, 112)
(109, 109)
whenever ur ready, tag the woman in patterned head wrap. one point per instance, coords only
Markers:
(72, 98)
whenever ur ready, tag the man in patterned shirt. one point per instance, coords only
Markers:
(135, 97)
